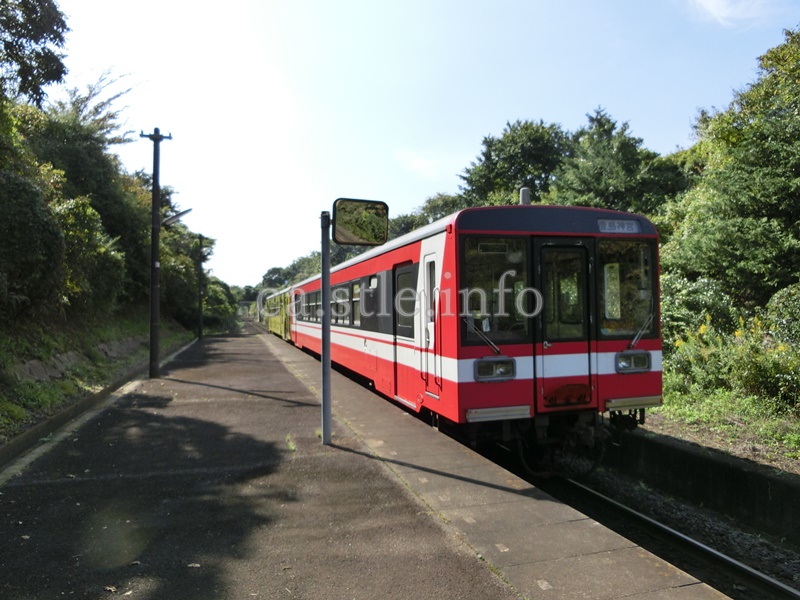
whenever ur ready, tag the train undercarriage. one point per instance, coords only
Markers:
(570, 446)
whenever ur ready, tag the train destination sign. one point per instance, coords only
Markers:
(619, 226)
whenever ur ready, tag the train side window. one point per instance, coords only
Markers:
(356, 318)
(299, 305)
(430, 290)
(315, 307)
(405, 304)
(370, 304)
(340, 306)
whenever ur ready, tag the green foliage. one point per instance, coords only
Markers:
(94, 268)
(436, 207)
(31, 249)
(742, 225)
(608, 168)
(748, 363)
(527, 154)
(699, 362)
(220, 306)
(782, 315)
(24, 402)
(31, 32)
(75, 136)
(685, 305)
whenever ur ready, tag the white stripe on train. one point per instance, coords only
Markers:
(382, 345)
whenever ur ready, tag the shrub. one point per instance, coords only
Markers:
(783, 314)
(94, 268)
(31, 249)
(749, 363)
(686, 306)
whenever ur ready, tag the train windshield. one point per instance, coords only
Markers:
(627, 288)
(493, 299)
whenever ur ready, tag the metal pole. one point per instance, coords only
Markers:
(155, 263)
(200, 289)
(325, 219)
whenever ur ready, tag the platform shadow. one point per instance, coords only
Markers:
(137, 501)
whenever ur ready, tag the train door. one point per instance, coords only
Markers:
(430, 350)
(405, 310)
(563, 363)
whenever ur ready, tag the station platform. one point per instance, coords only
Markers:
(212, 483)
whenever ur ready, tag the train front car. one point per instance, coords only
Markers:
(555, 316)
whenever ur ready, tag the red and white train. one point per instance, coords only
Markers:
(519, 323)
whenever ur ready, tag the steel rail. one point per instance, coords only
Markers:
(752, 573)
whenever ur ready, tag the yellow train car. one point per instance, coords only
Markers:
(276, 314)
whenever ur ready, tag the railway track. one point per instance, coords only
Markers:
(744, 580)
(733, 576)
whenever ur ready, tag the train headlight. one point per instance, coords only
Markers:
(633, 362)
(495, 369)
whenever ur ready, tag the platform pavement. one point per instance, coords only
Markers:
(212, 482)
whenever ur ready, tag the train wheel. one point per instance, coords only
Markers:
(579, 455)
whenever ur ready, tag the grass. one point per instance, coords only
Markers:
(739, 389)
(23, 403)
(742, 425)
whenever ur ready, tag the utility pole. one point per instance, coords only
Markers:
(200, 261)
(155, 264)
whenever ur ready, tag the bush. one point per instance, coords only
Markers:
(749, 363)
(766, 368)
(31, 249)
(686, 306)
(95, 269)
(699, 362)
(783, 314)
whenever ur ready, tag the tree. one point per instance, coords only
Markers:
(31, 32)
(527, 154)
(76, 136)
(95, 269)
(274, 279)
(608, 168)
(220, 306)
(742, 220)
(403, 224)
(31, 249)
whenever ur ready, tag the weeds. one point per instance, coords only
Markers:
(742, 384)
(23, 402)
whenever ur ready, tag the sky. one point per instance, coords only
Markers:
(278, 107)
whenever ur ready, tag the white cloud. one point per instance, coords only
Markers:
(425, 167)
(733, 12)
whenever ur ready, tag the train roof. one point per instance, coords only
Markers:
(529, 218)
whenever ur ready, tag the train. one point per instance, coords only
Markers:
(536, 327)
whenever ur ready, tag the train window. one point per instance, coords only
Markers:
(564, 282)
(299, 303)
(340, 306)
(357, 304)
(430, 291)
(314, 307)
(627, 288)
(405, 301)
(494, 273)
(611, 291)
